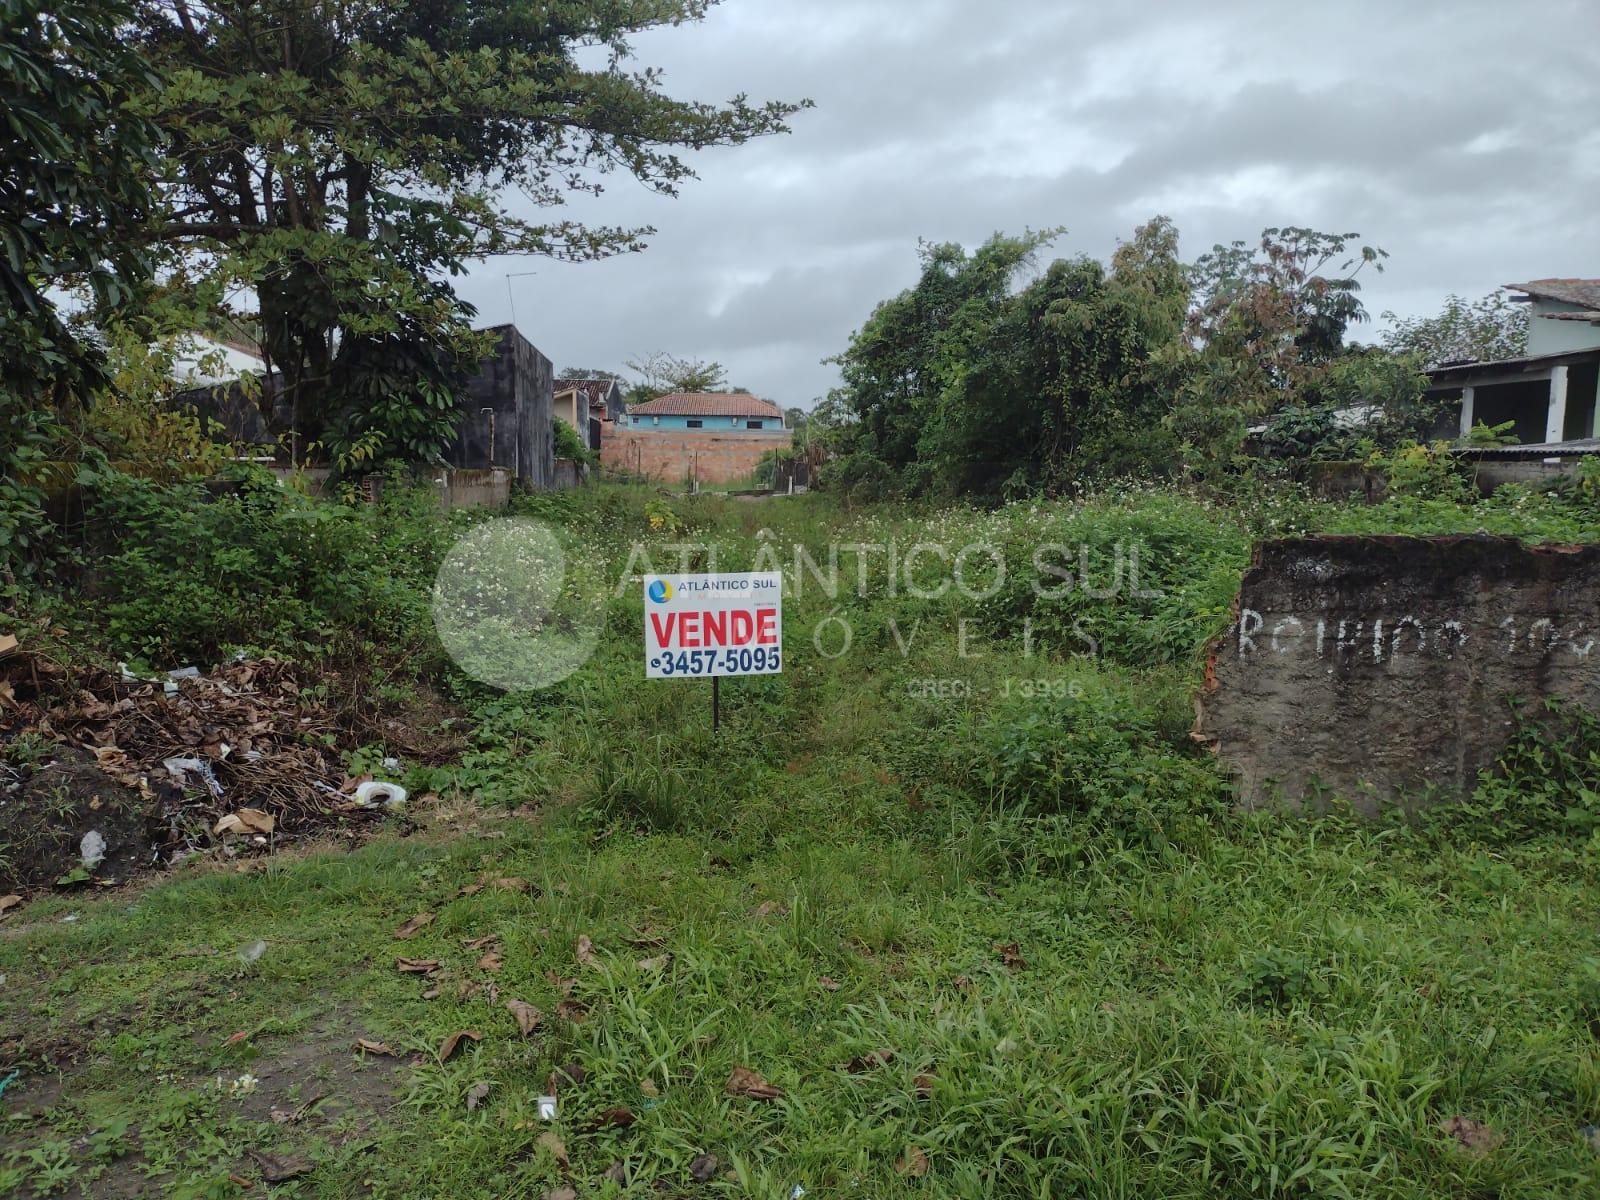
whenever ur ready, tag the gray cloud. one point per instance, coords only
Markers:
(946, 120)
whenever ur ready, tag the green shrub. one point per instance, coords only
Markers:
(185, 573)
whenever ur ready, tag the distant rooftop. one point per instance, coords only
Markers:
(708, 404)
(1583, 292)
(594, 390)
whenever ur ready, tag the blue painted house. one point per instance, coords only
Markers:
(710, 412)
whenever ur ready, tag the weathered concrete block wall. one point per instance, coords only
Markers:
(676, 456)
(1379, 668)
(516, 383)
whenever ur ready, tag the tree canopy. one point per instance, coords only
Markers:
(340, 158)
(1486, 330)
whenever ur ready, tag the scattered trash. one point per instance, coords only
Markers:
(92, 849)
(245, 821)
(8, 643)
(15, 1075)
(391, 763)
(1591, 1133)
(546, 1108)
(374, 794)
(184, 673)
(796, 1192)
(181, 768)
(251, 951)
(69, 919)
(7, 903)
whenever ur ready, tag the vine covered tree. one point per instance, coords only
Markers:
(340, 158)
(74, 162)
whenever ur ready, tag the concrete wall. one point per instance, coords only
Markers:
(1557, 337)
(675, 457)
(516, 383)
(569, 473)
(1378, 668)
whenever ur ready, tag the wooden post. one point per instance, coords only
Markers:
(1556, 416)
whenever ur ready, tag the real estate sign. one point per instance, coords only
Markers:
(705, 626)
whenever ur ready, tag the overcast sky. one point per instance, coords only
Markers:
(1460, 136)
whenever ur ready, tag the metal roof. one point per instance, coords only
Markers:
(1510, 366)
(1576, 448)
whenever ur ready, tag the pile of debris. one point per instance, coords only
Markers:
(243, 757)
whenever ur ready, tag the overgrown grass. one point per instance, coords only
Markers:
(993, 855)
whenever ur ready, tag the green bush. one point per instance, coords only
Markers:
(186, 572)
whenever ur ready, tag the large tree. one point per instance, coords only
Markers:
(969, 382)
(1269, 318)
(73, 170)
(339, 158)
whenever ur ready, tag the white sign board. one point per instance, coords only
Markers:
(707, 625)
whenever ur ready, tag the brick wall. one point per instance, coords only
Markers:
(675, 456)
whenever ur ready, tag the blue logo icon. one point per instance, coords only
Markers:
(661, 591)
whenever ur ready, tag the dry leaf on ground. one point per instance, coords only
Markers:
(923, 1085)
(572, 1010)
(1011, 954)
(374, 1047)
(453, 1042)
(411, 927)
(1476, 1138)
(745, 1082)
(704, 1168)
(476, 1095)
(869, 1061)
(586, 954)
(555, 1147)
(244, 821)
(527, 1016)
(483, 943)
(277, 1168)
(492, 961)
(572, 1074)
(913, 1164)
(417, 966)
(828, 983)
